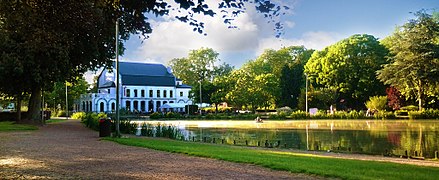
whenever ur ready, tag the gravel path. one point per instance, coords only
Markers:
(68, 150)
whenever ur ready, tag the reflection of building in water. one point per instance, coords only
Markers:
(143, 88)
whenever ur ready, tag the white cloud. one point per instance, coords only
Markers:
(311, 40)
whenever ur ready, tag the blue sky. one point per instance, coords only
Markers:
(312, 23)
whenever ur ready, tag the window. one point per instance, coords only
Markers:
(171, 101)
(142, 93)
(128, 93)
(150, 93)
(128, 105)
(135, 92)
(164, 93)
(101, 109)
(171, 93)
(109, 91)
(181, 94)
(113, 106)
(142, 106)
(99, 91)
(158, 93)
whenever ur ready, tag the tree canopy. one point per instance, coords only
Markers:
(49, 41)
(349, 67)
(414, 67)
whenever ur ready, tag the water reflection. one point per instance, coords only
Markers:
(418, 138)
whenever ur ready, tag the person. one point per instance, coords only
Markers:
(258, 120)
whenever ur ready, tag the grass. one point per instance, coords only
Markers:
(55, 120)
(288, 161)
(11, 126)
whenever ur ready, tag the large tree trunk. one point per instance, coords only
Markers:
(420, 95)
(35, 106)
(18, 108)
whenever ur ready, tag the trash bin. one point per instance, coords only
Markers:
(104, 127)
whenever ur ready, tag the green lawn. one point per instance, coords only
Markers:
(11, 126)
(55, 120)
(288, 161)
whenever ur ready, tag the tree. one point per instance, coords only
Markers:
(414, 67)
(198, 66)
(55, 41)
(58, 93)
(349, 67)
(394, 97)
(292, 78)
(377, 103)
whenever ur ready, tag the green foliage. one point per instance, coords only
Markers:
(125, 127)
(377, 102)
(299, 115)
(292, 162)
(285, 109)
(414, 56)
(425, 114)
(349, 67)
(156, 115)
(410, 108)
(61, 113)
(78, 115)
(12, 126)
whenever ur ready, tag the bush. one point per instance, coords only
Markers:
(156, 115)
(61, 113)
(426, 114)
(286, 110)
(410, 108)
(299, 115)
(377, 102)
(78, 115)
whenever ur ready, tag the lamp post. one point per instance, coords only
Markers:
(117, 79)
(67, 104)
(201, 100)
(306, 93)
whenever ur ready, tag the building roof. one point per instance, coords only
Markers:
(145, 74)
(143, 69)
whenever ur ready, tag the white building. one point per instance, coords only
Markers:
(143, 88)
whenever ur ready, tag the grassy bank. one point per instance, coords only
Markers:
(11, 126)
(287, 161)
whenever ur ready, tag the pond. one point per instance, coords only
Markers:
(418, 138)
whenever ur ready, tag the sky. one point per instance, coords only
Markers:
(314, 24)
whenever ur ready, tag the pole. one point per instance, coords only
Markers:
(117, 79)
(201, 100)
(67, 105)
(306, 93)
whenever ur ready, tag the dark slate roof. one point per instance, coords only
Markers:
(143, 69)
(145, 74)
(108, 84)
(184, 86)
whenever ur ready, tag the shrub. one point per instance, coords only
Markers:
(78, 115)
(299, 115)
(377, 102)
(61, 113)
(286, 110)
(156, 115)
(410, 108)
(172, 115)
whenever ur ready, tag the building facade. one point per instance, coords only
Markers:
(142, 88)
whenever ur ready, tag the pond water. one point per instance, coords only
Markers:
(398, 138)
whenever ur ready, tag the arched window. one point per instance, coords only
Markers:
(113, 106)
(128, 105)
(83, 106)
(101, 107)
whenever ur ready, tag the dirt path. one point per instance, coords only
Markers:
(68, 150)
